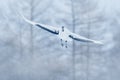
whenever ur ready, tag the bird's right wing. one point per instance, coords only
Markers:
(83, 39)
(43, 26)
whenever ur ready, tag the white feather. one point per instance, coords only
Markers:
(98, 42)
(30, 22)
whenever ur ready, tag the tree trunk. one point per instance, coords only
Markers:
(31, 29)
(73, 44)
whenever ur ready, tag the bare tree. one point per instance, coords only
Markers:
(73, 44)
(31, 27)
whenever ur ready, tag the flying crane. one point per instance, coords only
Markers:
(63, 33)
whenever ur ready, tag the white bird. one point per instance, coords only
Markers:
(63, 33)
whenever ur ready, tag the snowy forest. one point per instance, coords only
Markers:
(30, 53)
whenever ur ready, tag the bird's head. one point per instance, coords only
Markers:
(62, 28)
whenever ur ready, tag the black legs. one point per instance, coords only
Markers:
(66, 44)
(62, 44)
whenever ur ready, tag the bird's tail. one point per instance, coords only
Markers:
(27, 20)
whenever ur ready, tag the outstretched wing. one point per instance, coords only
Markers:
(83, 39)
(45, 27)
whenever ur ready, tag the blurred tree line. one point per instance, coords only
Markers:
(30, 53)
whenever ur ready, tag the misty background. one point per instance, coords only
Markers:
(30, 53)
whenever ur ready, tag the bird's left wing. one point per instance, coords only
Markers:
(43, 26)
(83, 39)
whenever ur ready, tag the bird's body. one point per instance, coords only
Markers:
(63, 33)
